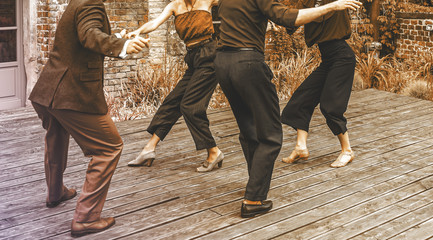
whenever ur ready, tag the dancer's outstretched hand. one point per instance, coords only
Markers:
(133, 34)
(346, 4)
(123, 33)
(137, 44)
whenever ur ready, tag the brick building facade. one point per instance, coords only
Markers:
(123, 14)
(40, 17)
(416, 34)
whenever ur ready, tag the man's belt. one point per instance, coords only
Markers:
(235, 49)
(199, 44)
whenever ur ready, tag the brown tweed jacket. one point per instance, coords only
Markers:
(73, 77)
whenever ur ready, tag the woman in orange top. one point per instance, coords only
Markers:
(190, 98)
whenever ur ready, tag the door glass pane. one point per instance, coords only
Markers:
(8, 46)
(8, 13)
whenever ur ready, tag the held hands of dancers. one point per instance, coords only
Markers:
(307, 15)
(137, 44)
(133, 34)
(273, 27)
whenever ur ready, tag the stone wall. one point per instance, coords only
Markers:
(414, 38)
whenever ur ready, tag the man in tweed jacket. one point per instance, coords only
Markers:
(69, 99)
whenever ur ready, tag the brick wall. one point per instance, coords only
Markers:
(48, 14)
(414, 38)
(129, 15)
(123, 14)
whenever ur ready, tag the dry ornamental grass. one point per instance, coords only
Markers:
(142, 96)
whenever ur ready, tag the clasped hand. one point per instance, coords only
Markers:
(136, 44)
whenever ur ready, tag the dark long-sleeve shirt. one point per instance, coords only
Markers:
(243, 22)
(331, 26)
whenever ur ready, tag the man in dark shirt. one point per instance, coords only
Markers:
(246, 81)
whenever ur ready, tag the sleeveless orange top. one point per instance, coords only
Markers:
(194, 26)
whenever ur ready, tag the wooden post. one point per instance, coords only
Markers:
(375, 11)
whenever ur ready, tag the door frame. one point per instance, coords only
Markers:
(20, 85)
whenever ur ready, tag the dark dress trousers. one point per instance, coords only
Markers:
(69, 99)
(330, 84)
(246, 81)
(190, 98)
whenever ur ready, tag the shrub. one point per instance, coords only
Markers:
(292, 70)
(418, 89)
(141, 97)
(280, 45)
(373, 71)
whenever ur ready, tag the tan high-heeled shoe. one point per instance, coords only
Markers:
(207, 167)
(297, 154)
(143, 159)
(343, 159)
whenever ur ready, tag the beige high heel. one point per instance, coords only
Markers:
(343, 159)
(143, 159)
(297, 154)
(207, 167)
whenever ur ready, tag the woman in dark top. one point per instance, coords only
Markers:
(190, 98)
(330, 84)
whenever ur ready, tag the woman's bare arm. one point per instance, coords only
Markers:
(307, 15)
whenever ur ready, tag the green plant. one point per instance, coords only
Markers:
(423, 2)
(292, 70)
(373, 71)
(280, 45)
(142, 96)
(388, 27)
(426, 61)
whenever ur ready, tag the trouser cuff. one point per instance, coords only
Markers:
(86, 217)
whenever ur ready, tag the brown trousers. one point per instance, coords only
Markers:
(98, 138)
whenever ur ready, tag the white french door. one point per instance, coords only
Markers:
(12, 79)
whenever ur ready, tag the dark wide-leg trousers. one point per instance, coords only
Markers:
(190, 98)
(330, 85)
(246, 81)
(99, 139)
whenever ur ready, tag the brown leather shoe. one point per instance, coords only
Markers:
(297, 154)
(69, 194)
(82, 228)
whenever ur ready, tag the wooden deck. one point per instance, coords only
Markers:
(386, 192)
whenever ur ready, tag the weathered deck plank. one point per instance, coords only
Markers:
(42, 187)
(387, 185)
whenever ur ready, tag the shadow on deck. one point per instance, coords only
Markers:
(386, 192)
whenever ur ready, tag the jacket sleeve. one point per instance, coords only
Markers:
(278, 12)
(90, 20)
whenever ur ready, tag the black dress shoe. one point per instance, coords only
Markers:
(250, 210)
(69, 194)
